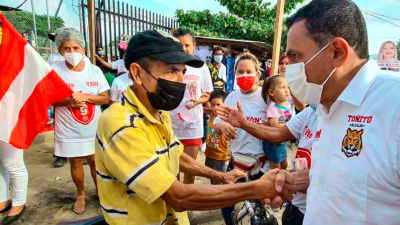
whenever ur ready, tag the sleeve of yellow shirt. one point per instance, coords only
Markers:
(132, 160)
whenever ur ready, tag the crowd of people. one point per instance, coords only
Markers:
(140, 128)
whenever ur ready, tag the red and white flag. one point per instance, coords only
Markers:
(28, 87)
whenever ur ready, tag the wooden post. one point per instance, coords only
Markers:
(92, 26)
(277, 35)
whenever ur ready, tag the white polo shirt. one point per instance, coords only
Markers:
(304, 127)
(355, 173)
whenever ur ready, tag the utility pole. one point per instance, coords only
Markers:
(34, 23)
(92, 24)
(277, 35)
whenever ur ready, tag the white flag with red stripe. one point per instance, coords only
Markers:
(28, 87)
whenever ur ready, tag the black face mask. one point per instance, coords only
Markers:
(168, 94)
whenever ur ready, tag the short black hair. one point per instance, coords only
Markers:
(180, 32)
(327, 19)
(218, 94)
(145, 62)
(218, 48)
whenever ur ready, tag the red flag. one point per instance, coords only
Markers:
(28, 87)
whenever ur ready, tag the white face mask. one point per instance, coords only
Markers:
(73, 58)
(305, 92)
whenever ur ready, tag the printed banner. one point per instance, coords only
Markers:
(388, 57)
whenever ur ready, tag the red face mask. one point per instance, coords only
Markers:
(246, 82)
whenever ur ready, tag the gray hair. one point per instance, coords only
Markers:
(68, 34)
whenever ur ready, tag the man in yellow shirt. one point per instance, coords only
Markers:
(138, 156)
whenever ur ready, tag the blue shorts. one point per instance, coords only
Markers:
(275, 153)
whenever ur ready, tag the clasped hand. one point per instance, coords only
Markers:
(278, 187)
(78, 99)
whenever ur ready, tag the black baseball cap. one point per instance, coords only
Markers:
(161, 46)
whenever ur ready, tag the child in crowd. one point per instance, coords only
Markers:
(217, 145)
(276, 93)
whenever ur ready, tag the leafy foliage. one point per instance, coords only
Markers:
(23, 22)
(247, 19)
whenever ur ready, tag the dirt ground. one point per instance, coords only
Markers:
(51, 192)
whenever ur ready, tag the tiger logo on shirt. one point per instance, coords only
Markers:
(352, 143)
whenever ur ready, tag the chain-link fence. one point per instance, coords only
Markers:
(115, 21)
(34, 19)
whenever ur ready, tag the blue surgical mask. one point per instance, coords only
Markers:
(218, 58)
(314, 107)
(100, 53)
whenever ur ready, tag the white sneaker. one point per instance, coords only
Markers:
(203, 147)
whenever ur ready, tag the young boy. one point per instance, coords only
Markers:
(217, 146)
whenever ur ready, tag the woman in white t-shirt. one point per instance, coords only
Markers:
(247, 73)
(76, 117)
(187, 119)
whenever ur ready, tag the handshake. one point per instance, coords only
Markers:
(276, 187)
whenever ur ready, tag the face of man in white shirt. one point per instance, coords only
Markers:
(338, 54)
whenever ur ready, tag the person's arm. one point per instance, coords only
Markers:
(143, 172)
(203, 99)
(192, 167)
(208, 110)
(268, 134)
(300, 180)
(184, 197)
(103, 62)
(236, 118)
(225, 129)
(101, 99)
(66, 102)
(274, 122)
(75, 100)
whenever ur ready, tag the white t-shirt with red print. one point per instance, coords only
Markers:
(255, 109)
(119, 65)
(79, 124)
(304, 127)
(119, 86)
(188, 124)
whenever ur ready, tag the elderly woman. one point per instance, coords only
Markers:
(12, 166)
(76, 117)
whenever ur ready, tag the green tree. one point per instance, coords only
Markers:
(23, 22)
(247, 19)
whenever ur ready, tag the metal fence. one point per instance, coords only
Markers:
(34, 19)
(116, 21)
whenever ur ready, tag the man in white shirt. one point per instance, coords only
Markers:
(118, 87)
(355, 177)
(217, 69)
(355, 173)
